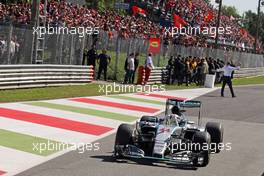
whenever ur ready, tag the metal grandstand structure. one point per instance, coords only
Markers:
(38, 44)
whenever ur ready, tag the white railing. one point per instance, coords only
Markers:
(29, 76)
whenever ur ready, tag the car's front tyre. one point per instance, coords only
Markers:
(216, 131)
(123, 137)
(201, 143)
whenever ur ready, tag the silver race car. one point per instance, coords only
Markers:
(172, 138)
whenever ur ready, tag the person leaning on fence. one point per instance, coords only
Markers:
(228, 69)
(129, 68)
(136, 63)
(103, 60)
(148, 67)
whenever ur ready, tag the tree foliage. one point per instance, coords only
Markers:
(250, 23)
(230, 11)
(102, 4)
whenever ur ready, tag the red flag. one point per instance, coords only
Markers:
(243, 32)
(138, 10)
(154, 45)
(208, 18)
(178, 21)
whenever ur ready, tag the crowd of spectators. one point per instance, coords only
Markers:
(192, 69)
(61, 13)
(194, 12)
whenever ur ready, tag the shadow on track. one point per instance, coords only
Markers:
(145, 162)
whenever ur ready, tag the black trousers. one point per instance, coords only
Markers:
(227, 80)
(102, 69)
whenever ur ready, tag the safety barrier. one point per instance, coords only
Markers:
(156, 76)
(29, 76)
(249, 72)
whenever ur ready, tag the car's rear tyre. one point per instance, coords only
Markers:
(216, 130)
(202, 142)
(123, 137)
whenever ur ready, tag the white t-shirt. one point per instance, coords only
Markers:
(131, 63)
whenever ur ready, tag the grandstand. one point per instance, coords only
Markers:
(120, 33)
(195, 13)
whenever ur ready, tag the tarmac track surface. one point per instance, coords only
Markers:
(243, 120)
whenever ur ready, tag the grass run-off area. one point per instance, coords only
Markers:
(93, 89)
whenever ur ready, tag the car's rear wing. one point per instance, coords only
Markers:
(184, 104)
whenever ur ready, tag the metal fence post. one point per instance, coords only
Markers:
(60, 46)
(71, 49)
(158, 60)
(9, 39)
(82, 49)
(129, 45)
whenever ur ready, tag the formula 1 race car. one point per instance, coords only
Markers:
(172, 138)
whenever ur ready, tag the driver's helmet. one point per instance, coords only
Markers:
(174, 119)
(176, 110)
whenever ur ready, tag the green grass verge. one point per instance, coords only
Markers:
(249, 81)
(49, 93)
(89, 90)
(29, 144)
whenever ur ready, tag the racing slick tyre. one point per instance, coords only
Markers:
(202, 141)
(216, 132)
(123, 137)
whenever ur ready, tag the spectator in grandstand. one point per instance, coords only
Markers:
(103, 60)
(129, 68)
(228, 69)
(148, 67)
